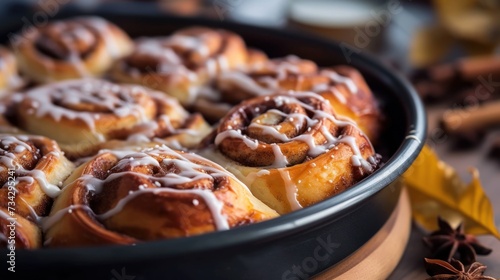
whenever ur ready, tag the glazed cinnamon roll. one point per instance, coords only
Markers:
(69, 49)
(291, 149)
(32, 169)
(179, 64)
(9, 78)
(83, 114)
(17, 232)
(126, 196)
(343, 86)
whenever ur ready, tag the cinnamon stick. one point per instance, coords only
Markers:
(470, 123)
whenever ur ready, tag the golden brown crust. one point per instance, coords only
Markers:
(69, 49)
(83, 114)
(9, 78)
(355, 102)
(291, 150)
(179, 64)
(123, 197)
(18, 232)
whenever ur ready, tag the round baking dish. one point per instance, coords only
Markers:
(294, 246)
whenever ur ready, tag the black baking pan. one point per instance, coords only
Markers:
(294, 246)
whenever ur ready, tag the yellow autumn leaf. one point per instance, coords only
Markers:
(436, 189)
(430, 45)
(470, 19)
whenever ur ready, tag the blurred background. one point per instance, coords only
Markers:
(413, 33)
(449, 50)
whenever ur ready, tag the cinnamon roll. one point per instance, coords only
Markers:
(9, 78)
(343, 86)
(83, 114)
(17, 232)
(32, 169)
(69, 49)
(181, 63)
(126, 196)
(291, 149)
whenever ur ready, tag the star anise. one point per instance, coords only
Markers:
(447, 243)
(455, 270)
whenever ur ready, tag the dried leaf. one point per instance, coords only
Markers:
(430, 45)
(470, 19)
(436, 189)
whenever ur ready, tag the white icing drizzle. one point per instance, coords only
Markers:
(314, 149)
(357, 159)
(191, 43)
(172, 63)
(188, 171)
(269, 82)
(339, 96)
(291, 190)
(280, 159)
(5, 216)
(252, 144)
(264, 85)
(254, 175)
(336, 78)
(287, 66)
(223, 63)
(85, 91)
(146, 131)
(243, 81)
(21, 146)
(9, 160)
(210, 199)
(48, 188)
(47, 222)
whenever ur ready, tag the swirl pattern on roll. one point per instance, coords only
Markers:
(83, 114)
(343, 86)
(291, 150)
(69, 49)
(35, 167)
(32, 169)
(179, 64)
(125, 196)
